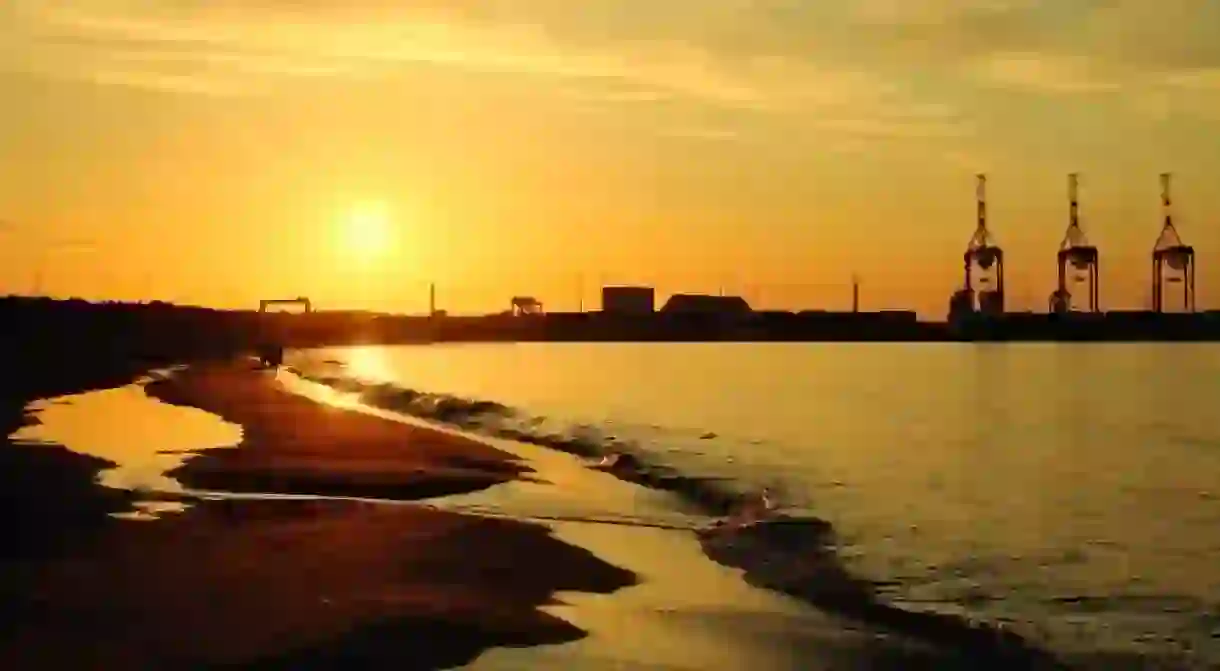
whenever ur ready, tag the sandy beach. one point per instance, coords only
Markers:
(294, 445)
(320, 533)
(285, 584)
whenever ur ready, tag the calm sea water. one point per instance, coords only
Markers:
(1074, 488)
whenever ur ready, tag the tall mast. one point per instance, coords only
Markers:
(1073, 179)
(1165, 202)
(981, 195)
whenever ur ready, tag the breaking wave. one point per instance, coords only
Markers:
(795, 554)
(627, 458)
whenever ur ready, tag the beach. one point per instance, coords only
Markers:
(1074, 507)
(225, 515)
(397, 544)
(330, 535)
(281, 584)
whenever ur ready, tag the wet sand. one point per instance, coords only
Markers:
(293, 445)
(283, 584)
(274, 584)
(49, 502)
(48, 499)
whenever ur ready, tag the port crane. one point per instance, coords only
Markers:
(983, 264)
(1173, 261)
(1078, 260)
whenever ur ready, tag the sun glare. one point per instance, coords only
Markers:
(366, 230)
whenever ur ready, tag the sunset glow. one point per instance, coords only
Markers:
(366, 232)
(772, 149)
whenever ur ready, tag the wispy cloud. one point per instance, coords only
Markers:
(244, 44)
(1154, 59)
(1204, 79)
(1048, 73)
(703, 134)
(153, 81)
(858, 67)
(221, 48)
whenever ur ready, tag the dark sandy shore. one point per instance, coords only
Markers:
(278, 584)
(48, 499)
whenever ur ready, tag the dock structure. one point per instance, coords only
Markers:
(1078, 289)
(523, 306)
(300, 301)
(1173, 261)
(273, 335)
(1079, 262)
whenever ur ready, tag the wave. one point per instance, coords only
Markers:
(625, 458)
(796, 555)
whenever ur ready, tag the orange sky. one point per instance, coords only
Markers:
(219, 152)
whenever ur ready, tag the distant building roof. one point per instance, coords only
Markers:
(628, 300)
(706, 304)
(627, 289)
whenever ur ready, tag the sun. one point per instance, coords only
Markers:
(366, 231)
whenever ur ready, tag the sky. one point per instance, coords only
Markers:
(216, 152)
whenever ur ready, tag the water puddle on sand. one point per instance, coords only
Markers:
(143, 436)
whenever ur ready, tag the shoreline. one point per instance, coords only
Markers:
(289, 584)
(811, 573)
(294, 445)
(793, 556)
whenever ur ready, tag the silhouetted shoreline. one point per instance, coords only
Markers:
(254, 584)
(56, 343)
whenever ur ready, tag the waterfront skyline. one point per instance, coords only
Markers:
(224, 152)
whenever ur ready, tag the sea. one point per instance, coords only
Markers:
(1070, 491)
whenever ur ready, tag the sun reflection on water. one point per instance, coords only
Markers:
(369, 363)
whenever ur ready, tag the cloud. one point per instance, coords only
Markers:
(1155, 93)
(232, 43)
(704, 134)
(151, 81)
(684, 50)
(1154, 59)
(1196, 92)
(1046, 73)
(1205, 79)
(866, 67)
(935, 12)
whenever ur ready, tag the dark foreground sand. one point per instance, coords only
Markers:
(284, 584)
